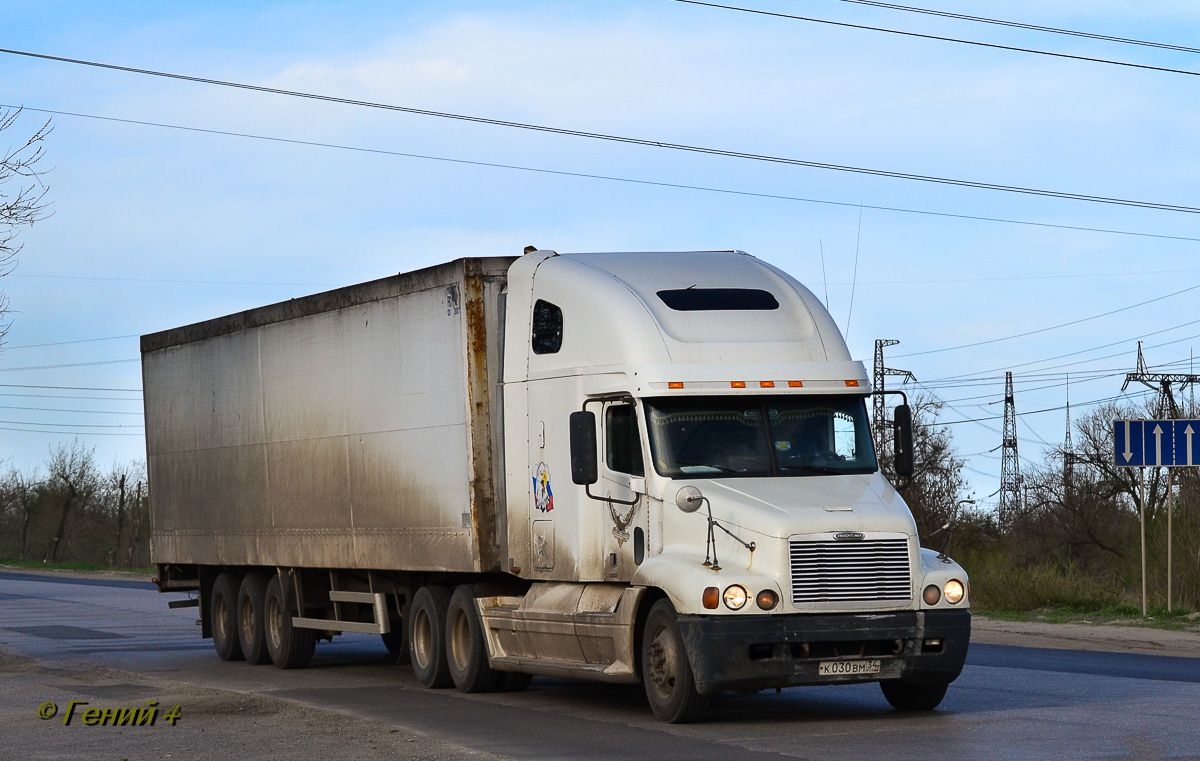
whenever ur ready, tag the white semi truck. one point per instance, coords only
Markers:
(627, 467)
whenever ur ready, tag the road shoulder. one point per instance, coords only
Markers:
(1113, 638)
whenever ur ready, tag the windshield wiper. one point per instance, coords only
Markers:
(821, 469)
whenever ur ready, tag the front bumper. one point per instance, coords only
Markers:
(749, 653)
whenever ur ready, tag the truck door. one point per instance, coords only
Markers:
(622, 479)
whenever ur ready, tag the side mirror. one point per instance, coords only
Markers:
(902, 440)
(584, 461)
(688, 499)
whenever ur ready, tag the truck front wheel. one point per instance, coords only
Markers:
(289, 647)
(906, 696)
(427, 636)
(223, 613)
(666, 673)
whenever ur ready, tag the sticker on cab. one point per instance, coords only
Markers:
(543, 497)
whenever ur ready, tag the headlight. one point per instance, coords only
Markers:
(735, 597)
(954, 591)
(767, 599)
(931, 595)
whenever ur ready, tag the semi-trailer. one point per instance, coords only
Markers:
(626, 467)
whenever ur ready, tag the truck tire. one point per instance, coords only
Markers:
(427, 637)
(906, 696)
(223, 615)
(466, 650)
(288, 647)
(666, 673)
(252, 636)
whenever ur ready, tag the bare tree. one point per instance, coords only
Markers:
(24, 205)
(21, 493)
(73, 480)
(937, 483)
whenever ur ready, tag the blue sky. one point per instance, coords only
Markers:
(156, 227)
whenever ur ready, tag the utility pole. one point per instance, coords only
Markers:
(1166, 408)
(1162, 383)
(1010, 463)
(879, 406)
(1068, 449)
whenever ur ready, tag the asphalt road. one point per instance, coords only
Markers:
(1010, 703)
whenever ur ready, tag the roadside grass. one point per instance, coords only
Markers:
(1050, 593)
(89, 567)
(1120, 615)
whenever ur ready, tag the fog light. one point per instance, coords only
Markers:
(735, 597)
(712, 597)
(931, 595)
(767, 599)
(954, 591)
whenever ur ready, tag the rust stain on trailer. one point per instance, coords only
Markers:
(483, 491)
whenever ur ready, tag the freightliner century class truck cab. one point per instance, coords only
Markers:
(670, 480)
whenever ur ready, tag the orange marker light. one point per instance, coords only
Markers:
(737, 384)
(674, 384)
(852, 384)
(712, 597)
(766, 384)
(795, 384)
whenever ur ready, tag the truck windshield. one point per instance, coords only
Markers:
(722, 436)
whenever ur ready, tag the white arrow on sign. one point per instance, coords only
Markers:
(1188, 432)
(1128, 451)
(1158, 445)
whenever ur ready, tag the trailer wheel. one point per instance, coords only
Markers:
(289, 647)
(666, 673)
(251, 630)
(906, 696)
(223, 611)
(466, 651)
(427, 637)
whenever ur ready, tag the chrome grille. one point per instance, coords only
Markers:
(858, 571)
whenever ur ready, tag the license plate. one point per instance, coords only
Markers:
(848, 668)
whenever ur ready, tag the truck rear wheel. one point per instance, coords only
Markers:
(289, 647)
(251, 630)
(427, 636)
(466, 651)
(666, 673)
(223, 615)
(906, 696)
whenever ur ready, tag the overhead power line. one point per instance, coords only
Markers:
(64, 343)
(71, 364)
(148, 279)
(592, 176)
(1052, 327)
(970, 376)
(75, 388)
(66, 425)
(975, 43)
(59, 409)
(72, 433)
(1092, 403)
(1022, 25)
(999, 187)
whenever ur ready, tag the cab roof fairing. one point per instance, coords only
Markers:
(614, 318)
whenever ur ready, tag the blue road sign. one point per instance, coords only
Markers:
(1186, 452)
(1156, 443)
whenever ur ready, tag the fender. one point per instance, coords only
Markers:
(684, 580)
